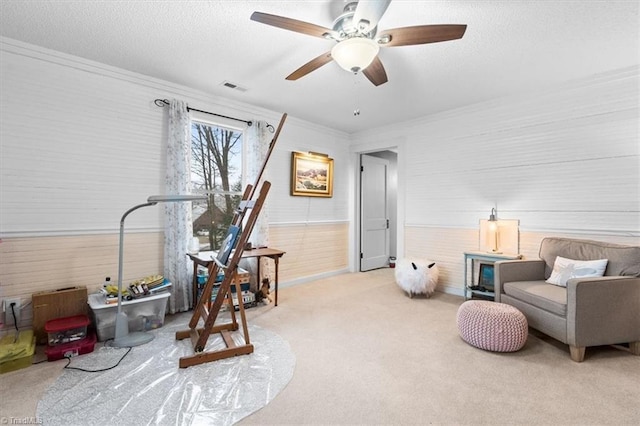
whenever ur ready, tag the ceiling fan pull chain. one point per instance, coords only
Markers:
(356, 111)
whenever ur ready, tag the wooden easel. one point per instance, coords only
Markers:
(245, 217)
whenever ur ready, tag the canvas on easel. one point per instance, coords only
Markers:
(228, 244)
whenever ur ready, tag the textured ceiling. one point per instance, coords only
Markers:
(510, 47)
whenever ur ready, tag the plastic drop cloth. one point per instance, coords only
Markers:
(148, 387)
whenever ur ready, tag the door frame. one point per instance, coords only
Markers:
(397, 144)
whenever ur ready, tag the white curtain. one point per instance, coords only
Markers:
(178, 222)
(257, 141)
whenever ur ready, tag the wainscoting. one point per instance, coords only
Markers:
(312, 249)
(445, 246)
(33, 264)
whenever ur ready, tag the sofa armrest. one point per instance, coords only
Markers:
(516, 270)
(603, 310)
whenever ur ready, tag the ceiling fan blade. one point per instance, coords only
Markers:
(310, 66)
(421, 34)
(291, 24)
(375, 72)
(368, 13)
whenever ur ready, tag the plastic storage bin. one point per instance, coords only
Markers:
(17, 354)
(65, 330)
(143, 314)
(71, 349)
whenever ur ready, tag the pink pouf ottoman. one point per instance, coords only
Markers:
(492, 326)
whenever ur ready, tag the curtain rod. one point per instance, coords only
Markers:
(163, 102)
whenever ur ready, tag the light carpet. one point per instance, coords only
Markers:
(367, 354)
(149, 388)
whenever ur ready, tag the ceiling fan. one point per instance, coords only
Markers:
(358, 41)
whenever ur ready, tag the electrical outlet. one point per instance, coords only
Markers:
(8, 315)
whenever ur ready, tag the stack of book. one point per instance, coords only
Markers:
(152, 284)
(243, 276)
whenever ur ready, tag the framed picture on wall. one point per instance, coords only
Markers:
(311, 175)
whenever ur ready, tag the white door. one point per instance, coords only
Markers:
(374, 218)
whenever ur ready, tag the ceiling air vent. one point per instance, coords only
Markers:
(233, 86)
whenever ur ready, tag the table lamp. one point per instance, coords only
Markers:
(493, 231)
(499, 236)
(123, 338)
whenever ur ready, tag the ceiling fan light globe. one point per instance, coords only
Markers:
(355, 53)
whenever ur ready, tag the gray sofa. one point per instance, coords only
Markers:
(588, 311)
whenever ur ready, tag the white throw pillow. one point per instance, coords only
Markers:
(565, 269)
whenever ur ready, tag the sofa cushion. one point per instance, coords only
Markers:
(623, 260)
(551, 298)
(565, 269)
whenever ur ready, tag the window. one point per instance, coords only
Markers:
(216, 170)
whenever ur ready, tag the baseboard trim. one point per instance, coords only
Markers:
(456, 291)
(309, 278)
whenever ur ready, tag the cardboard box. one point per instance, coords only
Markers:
(48, 305)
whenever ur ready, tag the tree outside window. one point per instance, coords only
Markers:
(216, 169)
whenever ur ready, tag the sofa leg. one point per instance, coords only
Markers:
(635, 348)
(577, 353)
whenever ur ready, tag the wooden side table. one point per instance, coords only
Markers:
(271, 253)
(205, 259)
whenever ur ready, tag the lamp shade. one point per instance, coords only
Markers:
(355, 54)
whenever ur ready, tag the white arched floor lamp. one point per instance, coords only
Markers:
(123, 338)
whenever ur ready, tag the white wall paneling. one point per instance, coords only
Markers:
(566, 159)
(78, 148)
(576, 168)
(286, 208)
(563, 162)
(83, 142)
